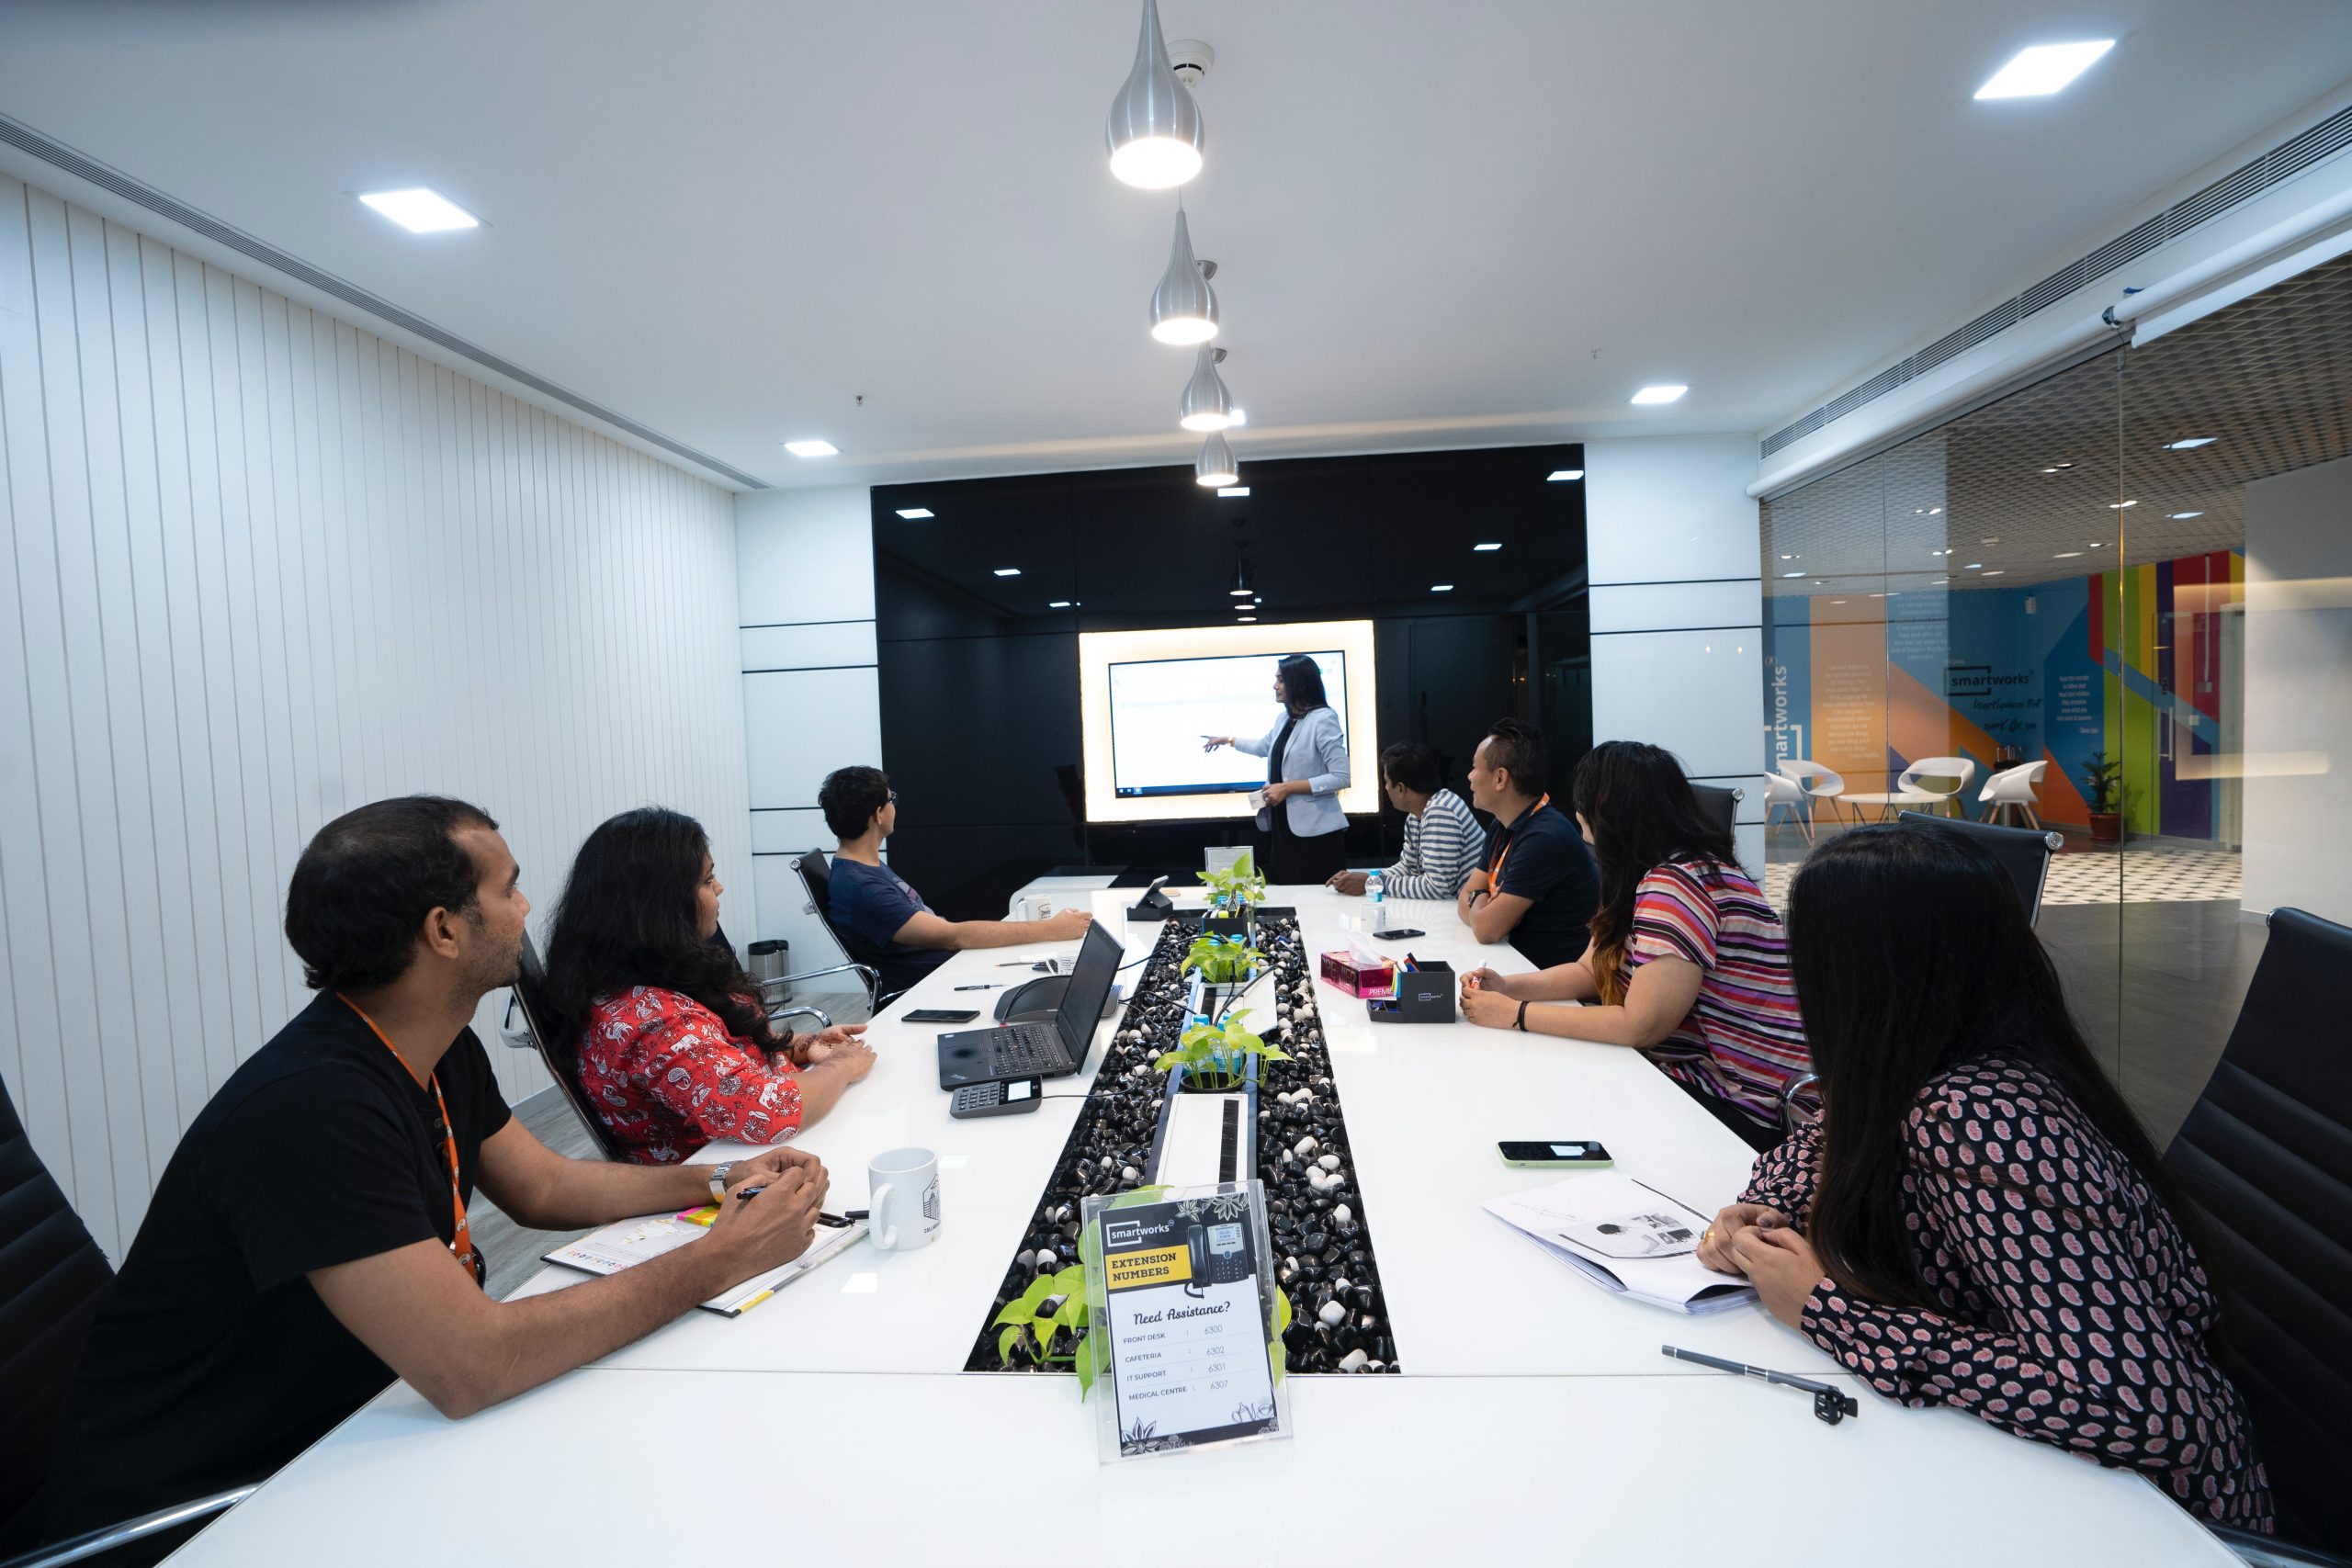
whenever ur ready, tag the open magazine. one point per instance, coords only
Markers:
(1625, 1237)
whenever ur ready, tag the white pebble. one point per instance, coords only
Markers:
(1042, 1258)
(1332, 1313)
(1132, 1174)
(1339, 1286)
(1330, 1162)
(1302, 1097)
(1353, 1362)
(1342, 1214)
(1316, 1179)
(1305, 1146)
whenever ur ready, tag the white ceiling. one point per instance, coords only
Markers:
(726, 220)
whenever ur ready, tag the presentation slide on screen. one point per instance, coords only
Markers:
(1148, 699)
(1160, 710)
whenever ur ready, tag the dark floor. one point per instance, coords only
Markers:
(2156, 988)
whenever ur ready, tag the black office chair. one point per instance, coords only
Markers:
(1722, 802)
(2024, 853)
(51, 1274)
(817, 882)
(773, 992)
(2265, 1159)
(527, 1026)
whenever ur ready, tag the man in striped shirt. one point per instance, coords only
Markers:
(1442, 840)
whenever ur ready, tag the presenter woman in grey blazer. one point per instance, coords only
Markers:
(1303, 832)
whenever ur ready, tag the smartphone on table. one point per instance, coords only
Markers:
(1557, 1154)
(942, 1015)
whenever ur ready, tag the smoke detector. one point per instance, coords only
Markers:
(1192, 59)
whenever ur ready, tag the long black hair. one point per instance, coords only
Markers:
(627, 919)
(1912, 956)
(1302, 680)
(1643, 815)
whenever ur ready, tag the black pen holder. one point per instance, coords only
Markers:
(1423, 996)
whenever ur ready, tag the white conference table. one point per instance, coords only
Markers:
(1525, 1390)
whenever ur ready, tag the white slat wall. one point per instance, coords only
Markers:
(264, 567)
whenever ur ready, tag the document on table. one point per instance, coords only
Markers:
(1186, 1319)
(1625, 1237)
(627, 1242)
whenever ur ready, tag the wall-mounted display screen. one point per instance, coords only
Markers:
(1149, 698)
(1163, 710)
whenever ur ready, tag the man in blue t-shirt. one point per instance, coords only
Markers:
(1536, 887)
(881, 919)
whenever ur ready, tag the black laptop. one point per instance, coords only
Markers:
(1054, 1049)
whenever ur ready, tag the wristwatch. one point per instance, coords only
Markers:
(719, 1180)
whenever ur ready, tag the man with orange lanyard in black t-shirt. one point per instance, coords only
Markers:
(308, 1242)
(1536, 887)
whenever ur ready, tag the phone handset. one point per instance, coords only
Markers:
(1197, 1240)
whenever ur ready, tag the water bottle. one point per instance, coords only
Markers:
(1373, 891)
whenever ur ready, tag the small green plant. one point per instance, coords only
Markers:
(1222, 960)
(1214, 1056)
(1236, 887)
(2103, 782)
(1050, 1313)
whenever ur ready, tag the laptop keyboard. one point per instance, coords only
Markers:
(1028, 1049)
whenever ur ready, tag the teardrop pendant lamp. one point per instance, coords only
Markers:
(1155, 127)
(1183, 307)
(1206, 405)
(1215, 466)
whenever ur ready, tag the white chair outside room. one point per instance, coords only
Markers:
(1819, 784)
(1783, 794)
(1932, 783)
(2014, 790)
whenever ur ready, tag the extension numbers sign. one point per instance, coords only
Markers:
(1183, 1305)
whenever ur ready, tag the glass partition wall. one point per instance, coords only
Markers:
(2117, 603)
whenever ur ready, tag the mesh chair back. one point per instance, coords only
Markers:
(2024, 853)
(51, 1273)
(538, 1019)
(2265, 1158)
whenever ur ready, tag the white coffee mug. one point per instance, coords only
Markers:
(1036, 907)
(903, 1202)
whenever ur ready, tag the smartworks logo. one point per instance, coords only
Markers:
(1780, 752)
(1976, 681)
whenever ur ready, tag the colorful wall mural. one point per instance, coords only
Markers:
(1864, 683)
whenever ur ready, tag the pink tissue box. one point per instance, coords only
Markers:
(1372, 980)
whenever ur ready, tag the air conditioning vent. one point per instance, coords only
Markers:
(2284, 161)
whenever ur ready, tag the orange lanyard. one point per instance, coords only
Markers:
(1495, 872)
(461, 1244)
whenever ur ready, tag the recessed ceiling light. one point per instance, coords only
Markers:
(1788, 557)
(1973, 566)
(2059, 468)
(1792, 574)
(1008, 571)
(812, 448)
(1995, 573)
(1058, 604)
(1878, 595)
(1561, 476)
(2042, 70)
(2190, 443)
(1239, 619)
(1489, 548)
(1233, 492)
(1441, 588)
(1992, 539)
(912, 513)
(1659, 394)
(2067, 554)
(1836, 601)
(2120, 505)
(420, 210)
(1240, 417)
(2183, 516)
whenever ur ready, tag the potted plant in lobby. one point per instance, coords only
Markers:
(2103, 787)
(1215, 1056)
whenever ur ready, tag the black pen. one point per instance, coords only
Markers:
(1831, 1404)
(823, 1218)
(986, 986)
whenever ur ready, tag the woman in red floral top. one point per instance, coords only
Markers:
(1978, 1221)
(660, 1023)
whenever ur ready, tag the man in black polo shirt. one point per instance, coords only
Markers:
(308, 1241)
(1536, 887)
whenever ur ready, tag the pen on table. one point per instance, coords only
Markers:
(1830, 1404)
(986, 986)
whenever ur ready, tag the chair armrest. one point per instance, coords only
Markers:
(1797, 1085)
(823, 1020)
(91, 1543)
(872, 976)
(2265, 1551)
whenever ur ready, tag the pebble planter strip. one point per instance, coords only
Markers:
(1322, 1238)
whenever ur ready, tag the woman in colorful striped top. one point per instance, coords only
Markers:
(1442, 840)
(1688, 963)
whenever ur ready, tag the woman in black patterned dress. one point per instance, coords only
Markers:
(1978, 1220)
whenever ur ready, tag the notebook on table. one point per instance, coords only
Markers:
(627, 1242)
(1625, 1237)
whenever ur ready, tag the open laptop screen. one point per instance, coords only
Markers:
(1089, 988)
